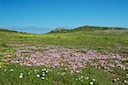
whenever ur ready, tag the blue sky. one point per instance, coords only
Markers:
(63, 13)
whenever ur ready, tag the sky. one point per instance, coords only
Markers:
(63, 13)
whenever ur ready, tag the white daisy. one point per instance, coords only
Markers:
(91, 83)
(43, 78)
(38, 75)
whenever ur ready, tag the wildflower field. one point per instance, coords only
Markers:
(76, 57)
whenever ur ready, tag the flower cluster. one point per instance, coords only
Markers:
(67, 60)
(44, 72)
(56, 56)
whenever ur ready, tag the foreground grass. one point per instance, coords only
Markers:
(10, 75)
(55, 76)
(105, 41)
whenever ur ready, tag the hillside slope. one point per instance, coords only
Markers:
(86, 28)
(74, 57)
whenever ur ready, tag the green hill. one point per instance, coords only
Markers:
(6, 30)
(68, 49)
(86, 28)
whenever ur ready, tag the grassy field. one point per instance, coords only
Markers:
(83, 56)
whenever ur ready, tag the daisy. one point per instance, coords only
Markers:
(91, 83)
(11, 70)
(38, 75)
(43, 78)
(94, 79)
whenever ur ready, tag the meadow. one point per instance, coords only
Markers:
(81, 56)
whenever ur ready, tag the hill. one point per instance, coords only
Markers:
(10, 31)
(86, 28)
(79, 56)
(6, 30)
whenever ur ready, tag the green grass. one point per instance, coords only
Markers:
(110, 40)
(53, 77)
(104, 41)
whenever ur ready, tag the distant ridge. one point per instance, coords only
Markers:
(85, 28)
(82, 28)
(6, 30)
